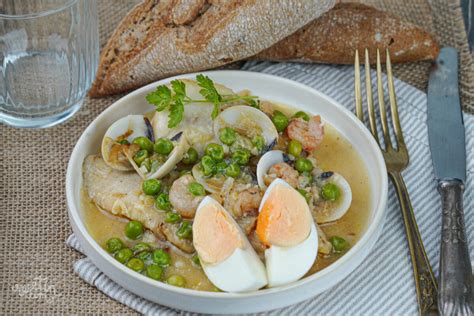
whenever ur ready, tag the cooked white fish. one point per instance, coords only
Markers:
(120, 193)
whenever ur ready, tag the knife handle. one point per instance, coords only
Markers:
(454, 296)
(425, 281)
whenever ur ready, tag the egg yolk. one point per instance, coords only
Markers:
(284, 219)
(215, 236)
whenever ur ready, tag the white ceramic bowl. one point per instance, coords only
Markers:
(266, 87)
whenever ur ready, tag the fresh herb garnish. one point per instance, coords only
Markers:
(174, 99)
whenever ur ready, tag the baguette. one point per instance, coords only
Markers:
(335, 36)
(158, 39)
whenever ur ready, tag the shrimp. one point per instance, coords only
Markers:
(284, 171)
(183, 201)
(309, 134)
(243, 200)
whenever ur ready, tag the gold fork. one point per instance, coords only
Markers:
(396, 159)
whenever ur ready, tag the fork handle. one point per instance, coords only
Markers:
(426, 287)
(455, 265)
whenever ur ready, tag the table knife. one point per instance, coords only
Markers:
(448, 152)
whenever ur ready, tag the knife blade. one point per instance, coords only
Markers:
(445, 122)
(448, 152)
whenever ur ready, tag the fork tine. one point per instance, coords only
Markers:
(393, 104)
(358, 96)
(383, 112)
(370, 100)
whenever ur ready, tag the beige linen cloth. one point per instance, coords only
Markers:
(35, 264)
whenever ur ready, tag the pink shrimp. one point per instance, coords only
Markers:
(284, 171)
(309, 134)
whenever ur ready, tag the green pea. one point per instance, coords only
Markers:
(163, 146)
(280, 121)
(233, 170)
(196, 189)
(215, 151)
(330, 192)
(172, 217)
(301, 114)
(176, 280)
(151, 186)
(195, 260)
(163, 203)
(141, 246)
(295, 148)
(144, 255)
(114, 244)
(191, 156)
(154, 271)
(134, 230)
(259, 143)
(123, 142)
(241, 157)
(208, 165)
(227, 135)
(305, 194)
(136, 264)
(145, 143)
(161, 257)
(123, 255)
(339, 244)
(303, 164)
(140, 156)
(185, 230)
(221, 166)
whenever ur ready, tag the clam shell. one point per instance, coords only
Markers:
(266, 161)
(173, 158)
(131, 126)
(342, 206)
(247, 121)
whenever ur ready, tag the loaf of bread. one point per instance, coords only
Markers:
(160, 38)
(335, 36)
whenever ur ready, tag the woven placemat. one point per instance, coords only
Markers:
(35, 264)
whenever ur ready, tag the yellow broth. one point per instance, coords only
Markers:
(334, 154)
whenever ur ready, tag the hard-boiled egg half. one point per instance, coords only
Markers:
(226, 256)
(286, 227)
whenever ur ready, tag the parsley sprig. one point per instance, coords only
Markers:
(174, 99)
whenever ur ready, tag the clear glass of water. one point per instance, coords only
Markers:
(48, 58)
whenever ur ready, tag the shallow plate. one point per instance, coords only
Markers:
(266, 87)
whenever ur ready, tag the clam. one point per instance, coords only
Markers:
(127, 128)
(269, 159)
(332, 211)
(247, 121)
(167, 165)
(326, 211)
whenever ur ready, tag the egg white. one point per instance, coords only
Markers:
(242, 271)
(288, 264)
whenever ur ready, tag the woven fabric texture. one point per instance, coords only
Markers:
(36, 270)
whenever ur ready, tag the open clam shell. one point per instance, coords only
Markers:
(247, 121)
(126, 128)
(173, 158)
(269, 159)
(338, 208)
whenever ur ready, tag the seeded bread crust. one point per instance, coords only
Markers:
(160, 38)
(335, 36)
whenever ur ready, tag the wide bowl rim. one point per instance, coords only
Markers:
(377, 220)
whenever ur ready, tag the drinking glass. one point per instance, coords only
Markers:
(48, 58)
